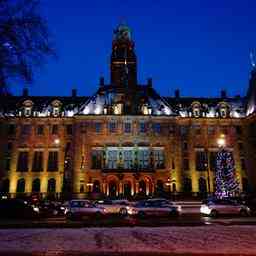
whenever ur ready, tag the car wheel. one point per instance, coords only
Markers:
(141, 214)
(70, 216)
(123, 212)
(243, 213)
(214, 213)
(174, 213)
(98, 215)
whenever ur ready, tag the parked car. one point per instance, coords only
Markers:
(114, 206)
(216, 207)
(78, 209)
(18, 208)
(51, 209)
(153, 207)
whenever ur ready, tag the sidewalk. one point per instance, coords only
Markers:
(204, 240)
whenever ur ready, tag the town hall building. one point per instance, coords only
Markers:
(126, 139)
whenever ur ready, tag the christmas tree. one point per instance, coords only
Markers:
(226, 182)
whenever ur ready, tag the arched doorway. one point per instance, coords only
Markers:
(96, 187)
(36, 186)
(202, 186)
(127, 189)
(112, 188)
(142, 187)
(51, 187)
(20, 186)
(159, 188)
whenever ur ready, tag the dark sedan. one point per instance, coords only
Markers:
(17, 208)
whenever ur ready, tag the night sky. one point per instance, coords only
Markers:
(200, 47)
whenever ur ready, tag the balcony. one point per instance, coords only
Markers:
(132, 170)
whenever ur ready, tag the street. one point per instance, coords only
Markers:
(189, 234)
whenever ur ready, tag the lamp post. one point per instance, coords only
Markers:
(208, 170)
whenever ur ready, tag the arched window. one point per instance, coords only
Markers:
(56, 105)
(142, 187)
(159, 186)
(51, 187)
(223, 109)
(20, 186)
(36, 185)
(187, 185)
(127, 188)
(5, 186)
(27, 108)
(96, 186)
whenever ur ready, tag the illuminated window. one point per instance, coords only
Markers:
(127, 127)
(40, 130)
(22, 165)
(118, 109)
(55, 111)
(97, 127)
(27, 111)
(53, 161)
(159, 158)
(146, 110)
(112, 127)
(142, 127)
(38, 162)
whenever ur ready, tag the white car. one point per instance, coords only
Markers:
(215, 207)
(78, 209)
(114, 206)
(154, 207)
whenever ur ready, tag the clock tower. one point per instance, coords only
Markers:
(123, 59)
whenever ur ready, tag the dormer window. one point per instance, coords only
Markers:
(196, 109)
(105, 110)
(27, 108)
(56, 104)
(146, 110)
(118, 108)
(223, 110)
(27, 111)
(55, 111)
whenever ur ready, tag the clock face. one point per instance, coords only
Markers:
(123, 32)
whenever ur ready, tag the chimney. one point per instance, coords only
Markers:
(101, 81)
(177, 93)
(25, 92)
(74, 93)
(149, 82)
(223, 94)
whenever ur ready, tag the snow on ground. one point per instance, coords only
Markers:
(203, 239)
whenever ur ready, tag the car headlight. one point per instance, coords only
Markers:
(204, 209)
(179, 208)
(36, 209)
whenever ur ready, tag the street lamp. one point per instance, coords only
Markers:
(56, 141)
(221, 141)
(208, 170)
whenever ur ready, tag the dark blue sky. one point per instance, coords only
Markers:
(197, 46)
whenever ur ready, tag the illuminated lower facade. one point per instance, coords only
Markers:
(94, 158)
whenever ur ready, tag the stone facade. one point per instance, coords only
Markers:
(126, 140)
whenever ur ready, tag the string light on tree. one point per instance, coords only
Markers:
(226, 182)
